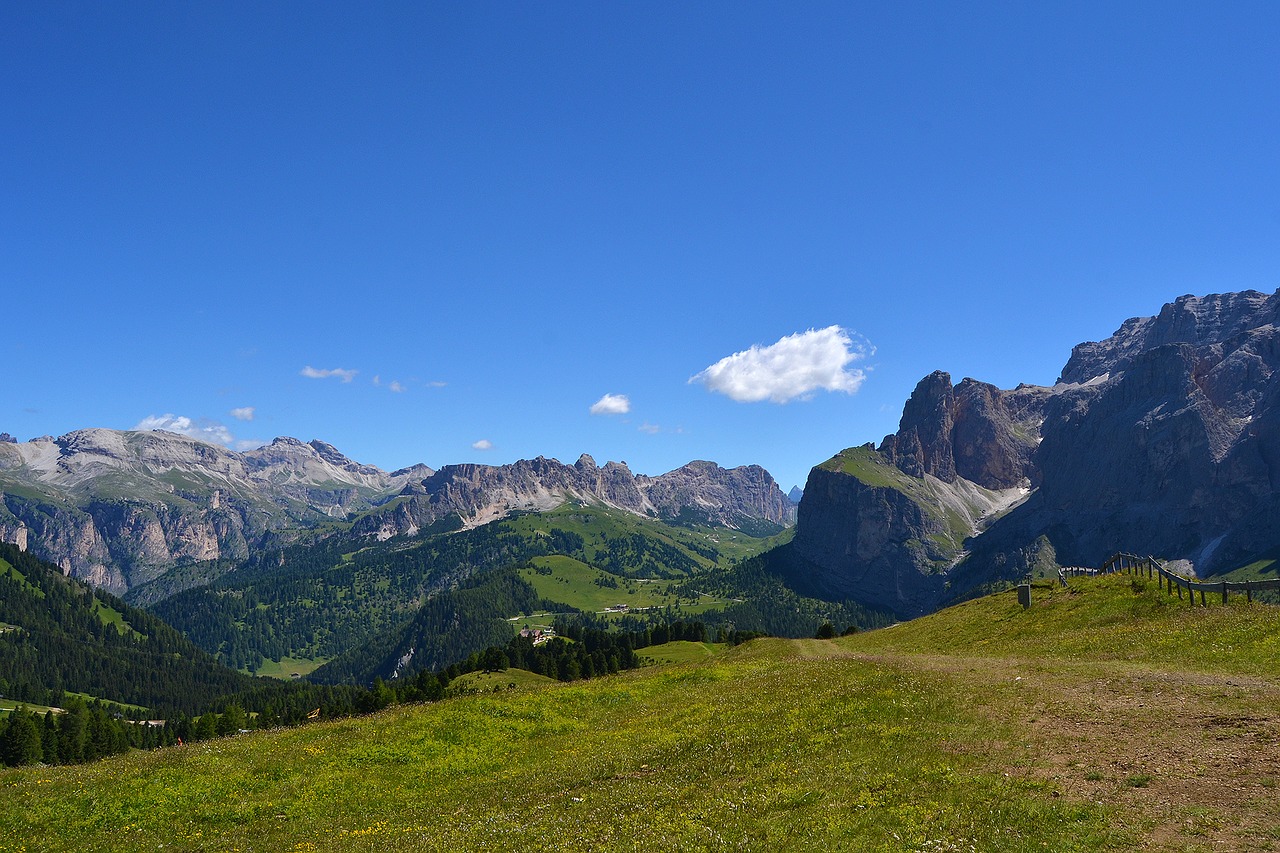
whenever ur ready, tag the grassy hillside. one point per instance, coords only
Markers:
(1104, 718)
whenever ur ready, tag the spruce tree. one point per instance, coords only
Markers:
(20, 745)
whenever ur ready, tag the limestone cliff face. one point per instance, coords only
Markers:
(118, 509)
(879, 538)
(703, 491)
(871, 532)
(1163, 439)
(972, 430)
(477, 494)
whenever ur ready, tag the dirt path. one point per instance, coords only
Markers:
(1192, 759)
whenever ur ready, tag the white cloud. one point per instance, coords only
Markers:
(201, 429)
(611, 404)
(337, 372)
(437, 384)
(482, 444)
(651, 429)
(244, 413)
(794, 367)
(394, 385)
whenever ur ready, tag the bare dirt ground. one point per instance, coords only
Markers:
(1191, 761)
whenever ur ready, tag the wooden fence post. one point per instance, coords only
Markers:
(1248, 590)
(1224, 592)
(1202, 604)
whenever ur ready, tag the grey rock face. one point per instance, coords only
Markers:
(1175, 453)
(1199, 321)
(973, 430)
(871, 543)
(1163, 439)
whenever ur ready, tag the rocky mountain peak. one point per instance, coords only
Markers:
(973, 431)
(333, 456)
(922, 444)
(413, 472)
(1196, 320)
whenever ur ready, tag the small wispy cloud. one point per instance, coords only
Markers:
(482, 444)
(611, 404)
(394, 386)
(201, 429)
(651, 429)
(793, 368)
(436, 384)
(244, 413)
(333, 373)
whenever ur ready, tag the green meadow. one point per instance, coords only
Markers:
(286, 668)
(577, 584)
(1103, 718)
(679, 651)
(497, 681)
(572, 582)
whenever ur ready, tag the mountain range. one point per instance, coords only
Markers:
(1162, 439)
(120, 509)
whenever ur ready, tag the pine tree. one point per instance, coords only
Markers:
(49, 739)
(20, 745)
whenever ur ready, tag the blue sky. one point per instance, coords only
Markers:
(447, 232)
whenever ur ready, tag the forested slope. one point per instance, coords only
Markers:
(59, 635)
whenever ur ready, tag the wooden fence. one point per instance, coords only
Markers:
(1152, 568)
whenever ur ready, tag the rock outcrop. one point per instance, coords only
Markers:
(871, 532)
(1163, 439)
(972, 431)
